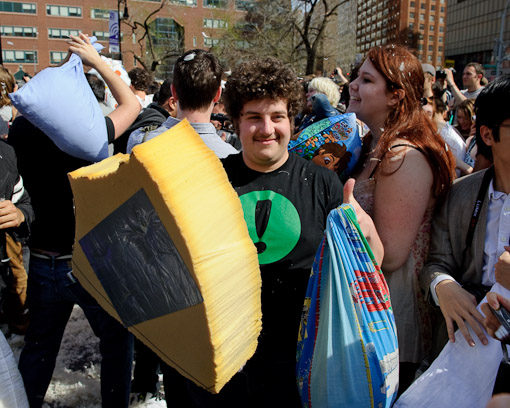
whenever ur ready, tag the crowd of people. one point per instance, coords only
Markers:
(430, 189)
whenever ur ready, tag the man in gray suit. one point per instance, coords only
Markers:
(470, 248)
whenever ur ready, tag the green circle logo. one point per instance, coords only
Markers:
(273, 223)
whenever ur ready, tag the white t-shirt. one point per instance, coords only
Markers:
(455, 143)
(472, 95)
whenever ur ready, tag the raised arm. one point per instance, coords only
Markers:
(457, 94)
(128, 107)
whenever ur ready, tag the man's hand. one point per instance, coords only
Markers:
(449, 76)
(459, 306)
(365, 222)
(491, 322)
(502, 269)
(10, 215)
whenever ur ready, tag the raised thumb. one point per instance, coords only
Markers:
(349, 191)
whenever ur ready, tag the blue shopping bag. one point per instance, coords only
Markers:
(347, 352)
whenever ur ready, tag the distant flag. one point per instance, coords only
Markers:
(113, 27)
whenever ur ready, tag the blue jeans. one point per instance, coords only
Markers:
(51, 295)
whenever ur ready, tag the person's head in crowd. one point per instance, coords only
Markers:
(140, 79)
(218, 109)
(465, 112)
(97, 85)
(440, 108)
(472, 75)
(325, 86)
(387, 96)
(153, 87)
(197, 81)
(163, 97)
(427, 106)
(262, 97)
(493, 117)
(430, 78)
(7, 86)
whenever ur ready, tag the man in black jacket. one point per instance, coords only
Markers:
(16, 212)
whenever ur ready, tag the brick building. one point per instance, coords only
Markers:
(420, 24)
(34, 32)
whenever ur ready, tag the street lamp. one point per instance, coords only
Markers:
(125, 15)
(500, 43)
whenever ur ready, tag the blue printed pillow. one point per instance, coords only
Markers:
(59, 101)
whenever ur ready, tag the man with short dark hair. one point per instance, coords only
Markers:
(196, 87)
(471, 77)
(470, 235)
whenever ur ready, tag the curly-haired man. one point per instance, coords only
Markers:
(286, 200)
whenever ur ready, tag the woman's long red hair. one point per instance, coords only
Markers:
(407, 120)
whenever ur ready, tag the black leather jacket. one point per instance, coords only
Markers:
(11, 188)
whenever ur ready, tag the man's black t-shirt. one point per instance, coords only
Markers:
(286, 212)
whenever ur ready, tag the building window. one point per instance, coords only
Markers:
(245, 5)
(422, 6)
(431, 38)
(211, 42)
(431, 28)
(56, 57)
(215, 23)
(190, 3)
(14, 56)
(422, 17)
(422, 27)
(441, 29)
(433, 8)
(440, 49)
(420, 47)
(439, 60)
(100, 14)
(441, 20)
(216, 3)
(411, 26)
(440, 39)
(61, 32)
(12, 7)
(432, 19)
(63, 11)
(411, 15)
(243, 44)
(17, 31)
(194, 41)
(101, 35)
(430, 47)
(165, 32)
(412, 4)
(442, 9)
(429, 58)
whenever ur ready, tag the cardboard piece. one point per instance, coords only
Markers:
(162, 244)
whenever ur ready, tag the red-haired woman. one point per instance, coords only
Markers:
(403, 171)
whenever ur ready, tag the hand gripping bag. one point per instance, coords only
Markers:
(461, 376)
(347, 352)
(59, 101)
(339, 129)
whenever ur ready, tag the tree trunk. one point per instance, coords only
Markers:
(310, 61)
